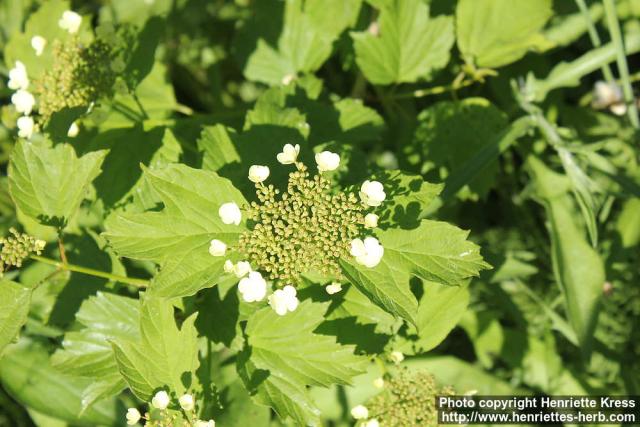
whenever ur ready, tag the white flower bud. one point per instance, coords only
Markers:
(217, 248)
(23, 101)
(333, 288)
(258, 173)
(378, 383)
(253, 287)
(133, 416)
(228, 266)
(209, 423)
(161, 400)
(371, 220)
(360, 412)
(74, 130)
(38, 44)
(371, 423)
(241, 269)
(18, 78)
(230, 213)
(25, 127)
(372, 193)
(70, 21)
(606, 94)
(327, 161)
(284, 300)
(289, 154)
(396, 357)
(186, 402)
(368, 252)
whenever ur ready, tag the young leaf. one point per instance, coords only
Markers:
(87, 352)
(578, 268)
(178, 236)
(494, 33)
(284, 355)
(278, 44)
(166, 357)
(410, 46)
(48, 184)
(14, 307)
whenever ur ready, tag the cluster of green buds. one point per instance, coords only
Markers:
(406, 400)
(306, 228)
(162, 416)
(80, 75)
(16, 248)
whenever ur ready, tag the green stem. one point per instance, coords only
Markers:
(436, 90)
(595, 38)
(621, 59)
(141, 283)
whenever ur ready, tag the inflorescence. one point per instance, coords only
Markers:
(406, 400)
(16, 248)
(307, 228)
(79, 76)
(163, 417)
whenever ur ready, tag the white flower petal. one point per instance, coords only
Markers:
(133, 416)
(327, 161)
(253, 287)
(230, 213)
(25, 127)
(289, 154)
(161, 400)
(217, 248)
(186, 402)
(23, 101)
(371, 220)
(38, 43)
(360, 412)
(333, 288)
(70, 21)
(18, 78)
(258, 173)
(372, 193)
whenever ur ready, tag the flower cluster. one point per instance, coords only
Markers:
(406, 400)
(78, 77)
(306, 228)
(164, 418)
(16, 248)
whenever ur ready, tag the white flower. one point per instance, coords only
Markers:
(230, 213)
(283, 300)
(619, 109)
(371, 220)
(359, 412)
(40, 244)
(74, 130)
(396, 357)
(253, 287)
(241, 269)
(288, 79)
(217, 248)
(23, 101)
(371, 423)
(186, 402)
(38, 44)
(327, 161)
(161, 400)
(606, 94)
(372, 193)
(18, 78)
(25, 127)
(209, 423)
(333, 288)
(258, 173)
(133, 416)
(368, 252)
(70, 21)
(289, 154)
(228, 266)
(378, 383)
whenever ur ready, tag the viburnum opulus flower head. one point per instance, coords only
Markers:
(306, 227)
